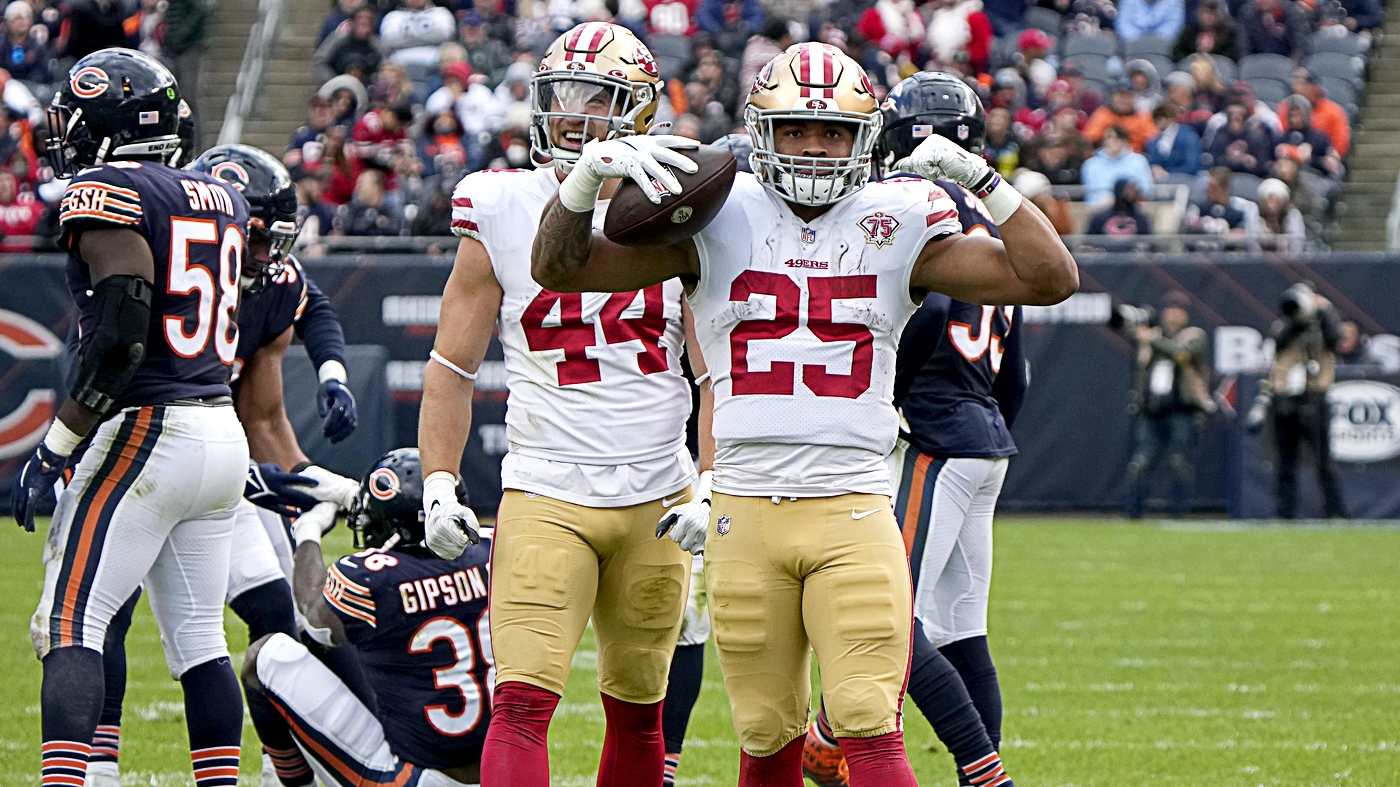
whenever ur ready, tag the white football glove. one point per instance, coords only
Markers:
(450, 526)
(311, 525)
(940, 157)
(689, 523)
(638, 158)
(331, 487)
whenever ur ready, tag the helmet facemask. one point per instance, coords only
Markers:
(278, 239)
(72, 145)
(570, 108)
(807, 180)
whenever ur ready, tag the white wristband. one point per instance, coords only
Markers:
(61, 440)
(332, 370)
(579, 191)
(439, 487)
(1002, 202)
(700, 490)
(437, 356)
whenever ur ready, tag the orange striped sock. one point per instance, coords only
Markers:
(65, 763)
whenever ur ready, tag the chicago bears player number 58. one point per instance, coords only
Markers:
(154, 260)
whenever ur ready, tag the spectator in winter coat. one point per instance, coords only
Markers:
(1124, 217)
(340, 15)
(1058, 156)
(894, 26)
(1327, 115)
(1219, 213)
(25, 58)
(372, 210)
(1001, 149)
(1280, 224)
(956, 27)
(309, 142)
(1303, 143)
(1112, 163)
(1175, 153)
(671, 18)
(20, 213)
(1161, 18)
(1240, 145)
(1279, 27)
(1147, 87)
(1120, 111)
(1085, 98)
(1034, 45)
(1191, 111)
(488, 56)
(354, 51)
(723, 84)
(410, 35)
(1213, 33)
(1358, 16)
(731, 23)
(772, 40)
(1257, 112)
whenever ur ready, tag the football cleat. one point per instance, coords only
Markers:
(822, 762)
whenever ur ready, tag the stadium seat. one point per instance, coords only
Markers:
(1267, 66)
(1335, 64)
(1103, 43)
(1147, 45)
(1338, 39)
(1339, 90)
(1098, 86)
(1270, 91)
(1162, 63)
(1096, 67)
(1044, 19)
(1245, 185)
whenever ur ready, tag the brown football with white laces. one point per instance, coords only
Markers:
(634, 220)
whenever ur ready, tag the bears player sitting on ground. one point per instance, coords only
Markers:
(959, 379)
(596, 421)
(278, 300)
(154, 254)
(420, 627)
(808, 269)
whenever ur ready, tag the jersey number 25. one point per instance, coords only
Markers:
(192, 271)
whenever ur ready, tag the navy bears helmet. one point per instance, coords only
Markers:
(115, 104)
(272, 207)
(388, 511)
(926, 104)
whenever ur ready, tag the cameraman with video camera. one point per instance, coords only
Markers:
(1305, 363)
(1169, 397)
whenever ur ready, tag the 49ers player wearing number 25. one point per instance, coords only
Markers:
(800, 288)
(596, 422)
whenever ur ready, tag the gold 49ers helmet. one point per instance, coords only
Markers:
(812, 81)
(595, 71)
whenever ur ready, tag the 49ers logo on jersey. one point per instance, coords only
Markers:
(879, 228)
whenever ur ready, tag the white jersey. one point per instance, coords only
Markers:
(799, 324)
(598, 405)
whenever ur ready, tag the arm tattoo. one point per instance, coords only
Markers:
(562, 243)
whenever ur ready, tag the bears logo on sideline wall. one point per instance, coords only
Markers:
(23, 427)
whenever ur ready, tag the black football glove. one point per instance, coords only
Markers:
(337, 405)
(269, 486)
(34, 485)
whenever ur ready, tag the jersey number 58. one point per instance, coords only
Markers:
(191, 271)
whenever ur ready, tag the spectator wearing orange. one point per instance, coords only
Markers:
(1327, 115)
(1304, 144)
(1119, 111)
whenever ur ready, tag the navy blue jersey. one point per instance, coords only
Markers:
(960, 374)
(421, 628)
(268, 313)
(195, 227)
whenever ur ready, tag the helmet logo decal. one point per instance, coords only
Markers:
(645, 61)
(921, 131)
(232, 173)
(384, 484)
(962, 131)
(764, 77)
(816, 103)
(879, 228)
(89, 82)
(148, 118)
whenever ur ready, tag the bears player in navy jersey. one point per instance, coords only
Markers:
(154, 258)
(420, 627)
(278, 301)
(959, 379)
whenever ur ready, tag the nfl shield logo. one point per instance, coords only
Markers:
(809, 235)
(722, 525)
(962, 133)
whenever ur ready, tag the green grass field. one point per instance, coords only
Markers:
(1129, 655)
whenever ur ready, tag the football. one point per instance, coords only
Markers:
(634, 220)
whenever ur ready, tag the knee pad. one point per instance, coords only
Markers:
(864, 604)
(739, 611)
(654, 595)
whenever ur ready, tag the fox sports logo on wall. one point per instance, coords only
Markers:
(1365, 421)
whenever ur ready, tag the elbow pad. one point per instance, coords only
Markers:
(114, 348)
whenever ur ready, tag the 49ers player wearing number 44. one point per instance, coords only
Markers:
(596, 422)
(800, 288)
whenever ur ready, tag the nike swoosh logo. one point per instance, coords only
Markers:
(863, 514)
(667, 502)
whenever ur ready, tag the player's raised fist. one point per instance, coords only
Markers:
(940, 157)
(450, 526)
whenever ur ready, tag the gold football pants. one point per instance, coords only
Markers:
(827, 574)
(555, 563)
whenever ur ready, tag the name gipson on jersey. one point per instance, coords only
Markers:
(459, 587)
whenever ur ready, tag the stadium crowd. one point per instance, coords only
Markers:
(1098, 110)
